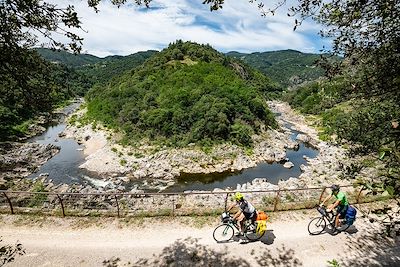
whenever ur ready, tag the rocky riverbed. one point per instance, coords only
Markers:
(19, 160)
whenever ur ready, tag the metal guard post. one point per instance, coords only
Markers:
(116, 200)
(62, 205)
(276, 199)
(322, 193)
(9, 203)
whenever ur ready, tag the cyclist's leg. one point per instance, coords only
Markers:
(340, 214)
(240, 221)
(337, 220)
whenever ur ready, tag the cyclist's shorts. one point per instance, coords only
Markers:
(249, 216)
(342, 210)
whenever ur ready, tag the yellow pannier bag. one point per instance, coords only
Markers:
(261, 226)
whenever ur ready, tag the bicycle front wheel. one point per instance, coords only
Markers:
(223, 233)
(316, 226)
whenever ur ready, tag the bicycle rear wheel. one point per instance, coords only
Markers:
(251, 233)
(316, 226)
(343, 227)
(223, 233)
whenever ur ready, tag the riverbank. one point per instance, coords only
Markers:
(161, 165)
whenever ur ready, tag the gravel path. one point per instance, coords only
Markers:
(176, 241)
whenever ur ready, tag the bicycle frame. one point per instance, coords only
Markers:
(236, 225)
(227, 228)
(320, 222)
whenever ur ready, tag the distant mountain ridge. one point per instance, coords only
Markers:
(286, 67)
(95, 68)
(66, 58)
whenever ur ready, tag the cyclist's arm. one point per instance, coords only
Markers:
(231, 206)
(325, 200)
(334, 205)
(237, 214)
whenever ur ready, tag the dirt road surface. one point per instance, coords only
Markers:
(189, 242)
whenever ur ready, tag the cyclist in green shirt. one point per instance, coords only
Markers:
(341, 204)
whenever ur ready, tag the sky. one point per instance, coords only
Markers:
(238, 26)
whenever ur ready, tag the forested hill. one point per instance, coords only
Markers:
(287, 67)
(186, 93)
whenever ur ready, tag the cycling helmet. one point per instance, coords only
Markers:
(335, 188)
(238, 196)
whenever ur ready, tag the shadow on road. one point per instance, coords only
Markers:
(372, 249)
(268, 238)
(351, 230)
(188, 252)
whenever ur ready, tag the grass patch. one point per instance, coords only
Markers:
(38, 199)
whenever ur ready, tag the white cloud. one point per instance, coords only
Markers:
(238, 26)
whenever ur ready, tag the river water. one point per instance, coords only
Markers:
(64, 167)
(274, 172)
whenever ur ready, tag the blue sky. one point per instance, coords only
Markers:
(237, 27)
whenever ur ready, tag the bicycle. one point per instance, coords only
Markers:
(317, 225)
(225, 231)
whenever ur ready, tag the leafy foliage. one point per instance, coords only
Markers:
(186, 93)
(30, 85)
(368, 98)
(19, 20)
(93, 68)
(38, 199)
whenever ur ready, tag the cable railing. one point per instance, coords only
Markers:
(175, 204)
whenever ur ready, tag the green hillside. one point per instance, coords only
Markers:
(186, 93)
(286, 67)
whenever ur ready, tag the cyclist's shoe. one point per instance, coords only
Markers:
(243, 241)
